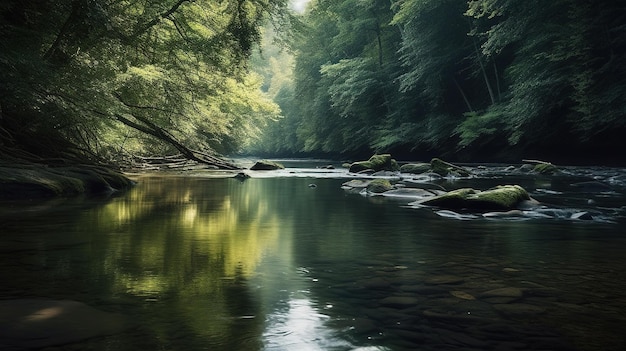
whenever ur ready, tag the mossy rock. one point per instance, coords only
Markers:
(444, 168)
(360, 166)
(415, 168)
(266, 165)
(505, 197)
(454, 199)
(379, 186)
(545, 168)
(376, 163)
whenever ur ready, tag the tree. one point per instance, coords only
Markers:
(488, 79)
(558, 80)
(176, 71)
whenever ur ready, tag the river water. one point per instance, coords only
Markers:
(291, 261)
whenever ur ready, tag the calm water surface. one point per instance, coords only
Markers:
(275, 264)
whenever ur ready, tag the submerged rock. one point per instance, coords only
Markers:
(356, 183)
(504, 292)
(505, 197)
(266, 165)
(39, 323)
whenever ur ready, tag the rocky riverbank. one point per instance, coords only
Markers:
(458, 192)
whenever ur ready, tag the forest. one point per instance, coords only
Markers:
(480, 80)
(105, 81)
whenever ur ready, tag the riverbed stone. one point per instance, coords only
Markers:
(444, 279)
(266, 165)
(39, 323)
(518, 309)
(462, 295)
(415, 168)
(444, 168)
(545, 169)
(375, 163)
(504, 197)
(357, 183)
(504, 292)
(379, 186)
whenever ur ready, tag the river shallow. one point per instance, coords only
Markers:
(290, 261)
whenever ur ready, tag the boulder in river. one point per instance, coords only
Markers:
(266, 165)
(379, 186)
(504, 197)
(375, 163)
(444, 168)
(545, 169)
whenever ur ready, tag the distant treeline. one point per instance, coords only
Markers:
(470, 80)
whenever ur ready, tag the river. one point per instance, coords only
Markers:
(291, 261)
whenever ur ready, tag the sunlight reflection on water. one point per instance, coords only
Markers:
(299, 326)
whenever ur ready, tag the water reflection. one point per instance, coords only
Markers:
(272, 264)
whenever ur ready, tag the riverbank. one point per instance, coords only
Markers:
(32, 180)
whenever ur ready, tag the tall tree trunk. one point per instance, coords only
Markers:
(484, 73)
(467, 103)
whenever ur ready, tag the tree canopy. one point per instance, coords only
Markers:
(116, 77)
(480, 80)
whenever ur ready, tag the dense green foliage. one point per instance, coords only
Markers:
(484, 79)
(119, 77)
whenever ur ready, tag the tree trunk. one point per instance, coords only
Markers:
(152, 129)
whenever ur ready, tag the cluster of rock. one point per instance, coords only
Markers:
(383, 176)
(501, 198)
(420, 183)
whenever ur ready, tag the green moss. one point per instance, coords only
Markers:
(379, 186)
(444, 168)
(379, 161)
(545, 168)
(500, 197)
(415, 168)
(504, 197)
(376, 163)
(360, 166)
(454, 199)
